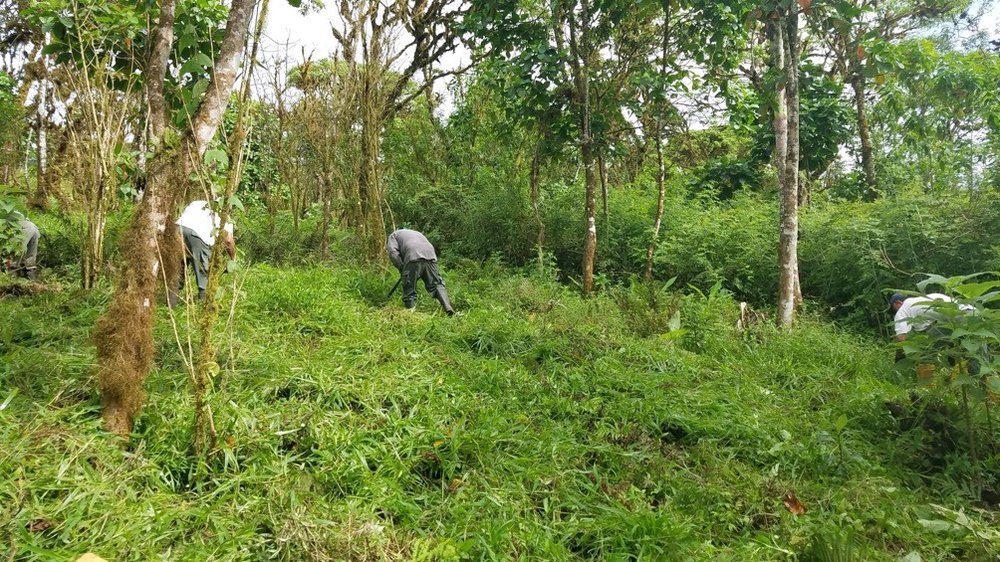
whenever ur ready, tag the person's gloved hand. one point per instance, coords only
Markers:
(900, 355)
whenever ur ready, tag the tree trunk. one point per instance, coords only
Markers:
(581, 50)
(590, 206)
(602, 168)
(123, 335)
(661, 186)
(789, 229)
(864, 132)
(369, 188)
(324, 237)
(40, 198)
(205, 364)
(536, 172)
(661, 168)
(780, 115)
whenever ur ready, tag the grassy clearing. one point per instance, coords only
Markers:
(534, 426)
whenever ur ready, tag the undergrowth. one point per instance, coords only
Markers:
(637, 425)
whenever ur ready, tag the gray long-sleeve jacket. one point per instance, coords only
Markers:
(406, 245)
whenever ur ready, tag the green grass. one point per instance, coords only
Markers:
(535, 426)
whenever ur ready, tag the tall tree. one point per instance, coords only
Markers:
(582, 60)
(124, 334)
(784, 32)
(368, 40)
(851, 30)
(556, 58)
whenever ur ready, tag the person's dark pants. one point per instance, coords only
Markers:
(197, 254)
(428, 272)
(29, 256)
(938, 333)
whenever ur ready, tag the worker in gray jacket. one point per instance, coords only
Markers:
(29, 257)
(26, 262)
(414, 257)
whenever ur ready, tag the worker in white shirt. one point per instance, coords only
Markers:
(916, 313)
(199, 229)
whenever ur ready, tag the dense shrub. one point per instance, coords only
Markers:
(62, 237)
(275, 239)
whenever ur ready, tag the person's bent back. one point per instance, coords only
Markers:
(415, 258)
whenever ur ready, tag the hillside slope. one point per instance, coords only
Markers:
(535, 426)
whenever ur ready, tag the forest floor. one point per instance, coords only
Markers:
(640, 424)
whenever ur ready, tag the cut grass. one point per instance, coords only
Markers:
(537, 425)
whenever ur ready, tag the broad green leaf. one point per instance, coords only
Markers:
(196, 64)
(975, 290)
(932, 279)
(938, 525)
(216, 156)
(235, 203)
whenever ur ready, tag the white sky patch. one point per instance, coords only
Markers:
(310, 36)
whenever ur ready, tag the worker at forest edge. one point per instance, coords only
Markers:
(414, 257)
(199, 226)
(29, 249)
(916, 313)
(25, 262)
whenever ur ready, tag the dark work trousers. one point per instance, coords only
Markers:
(427, 271)
(29, 258)
(197, 253)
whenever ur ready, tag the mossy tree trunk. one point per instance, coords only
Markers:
(124, 334)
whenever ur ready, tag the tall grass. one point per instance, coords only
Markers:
(536, 425)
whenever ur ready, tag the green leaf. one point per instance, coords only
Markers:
(938, 525)
(841, 422)
(53, 48)
(975, 290)
(994, 384)
(216, 156)
(235, 203)
(932, 279)
(675, 321)
(196, 64)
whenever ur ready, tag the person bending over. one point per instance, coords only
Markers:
(414, 257)
(199, 228)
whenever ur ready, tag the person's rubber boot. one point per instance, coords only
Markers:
(442, 296)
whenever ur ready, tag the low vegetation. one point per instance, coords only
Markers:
(639, 424)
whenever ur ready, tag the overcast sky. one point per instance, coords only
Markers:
(310, 35)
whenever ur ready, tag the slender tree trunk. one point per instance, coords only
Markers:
(535, 180)
(590, 206)
(324, 239)
(205, 364)
(602, 168)
(864, 132)
(788, 237)
(661, 168)
(579, 34)
(661, 186)
(40, 197)
(373, 225)
(124, 334)
(780, 114)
